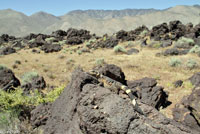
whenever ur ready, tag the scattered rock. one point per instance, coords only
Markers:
(49, 48)
(171, 51)
(187, 111)
(8, 79)
(108, 43)
(7, 50)
(132, 51)
(36, 82)
(149, 93)
(178, 83)
(112, 71)
(195, 79)
(166, 43)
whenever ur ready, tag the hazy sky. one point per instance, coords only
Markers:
(60, 7)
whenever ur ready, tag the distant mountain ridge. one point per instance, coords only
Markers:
(97, 21)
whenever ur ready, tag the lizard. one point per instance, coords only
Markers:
(115, 86)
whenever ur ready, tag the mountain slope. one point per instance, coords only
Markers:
(96, 21)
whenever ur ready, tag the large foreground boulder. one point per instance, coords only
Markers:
(87, 108)
(187, 111)
(7, 79)
(195, 79)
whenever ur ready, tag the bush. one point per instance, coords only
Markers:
(3, 67)
(63, 42)
(185, 40)
(143, 33)
(14, 102)
(79, 52)
(31, 41)
(49, 40)
(100, 61)
(195, 49)
(28, 77)
(174, 62)
(191, 64)
(157, 45)
(119, 48)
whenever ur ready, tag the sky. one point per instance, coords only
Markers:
(61, 7)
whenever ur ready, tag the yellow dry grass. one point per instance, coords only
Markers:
(57, 71)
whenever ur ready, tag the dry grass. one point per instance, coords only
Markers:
(57, 71)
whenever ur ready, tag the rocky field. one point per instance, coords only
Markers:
(46, 86)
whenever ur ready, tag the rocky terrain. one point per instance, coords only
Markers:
(97, 21)
(159, 65)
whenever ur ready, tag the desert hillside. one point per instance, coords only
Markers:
(96, 21)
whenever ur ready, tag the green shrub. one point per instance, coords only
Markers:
(185, 40)
(100, 61)
(88, 44)
(79, 52)
(31, 41)
(3, 67)
(195, 49)
(49, 40)
(28, 77)
(191, 64)
(119, 48)
(157, 45)
(143, 33)
(12, 103)
(63, 42)
(174, 62)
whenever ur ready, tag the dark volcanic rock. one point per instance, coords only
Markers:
(86, 108)
(149, 93)
(178, 83)
(7, 79)
(195, 79)
(35, 44)
(158, 31)
(7, 50)
(40, 115)
(171, 51)
(110, 42)
(166, 43)
(74, 41)
(187, 111)
(132, 51)
(49, 48)
(36, 82)
(74, 36)
(59, 33)
(112, 71)
(177, 29)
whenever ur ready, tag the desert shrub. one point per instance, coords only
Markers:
(174, 62)
(119, 48)
(100, 61)
(188, 85)
(185, 40)
(49, 40)
(2, 66)
(191, 64)
(195, 49)
(12, 103)
(88, 44)
(157, 45)
(63, 42)
(31, 41)
(28, 77)
(143, 33)
(79, 52)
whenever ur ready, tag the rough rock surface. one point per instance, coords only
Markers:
(110, 42)
(7, 79)
(7, 50)
(187, 111)
(113, 72)
(132, 51)
(195, 79)
(37, 82)
(49, 48)
(178, 83)
(149, 93)
(86, 108)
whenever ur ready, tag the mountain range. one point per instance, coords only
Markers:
(97, 21)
